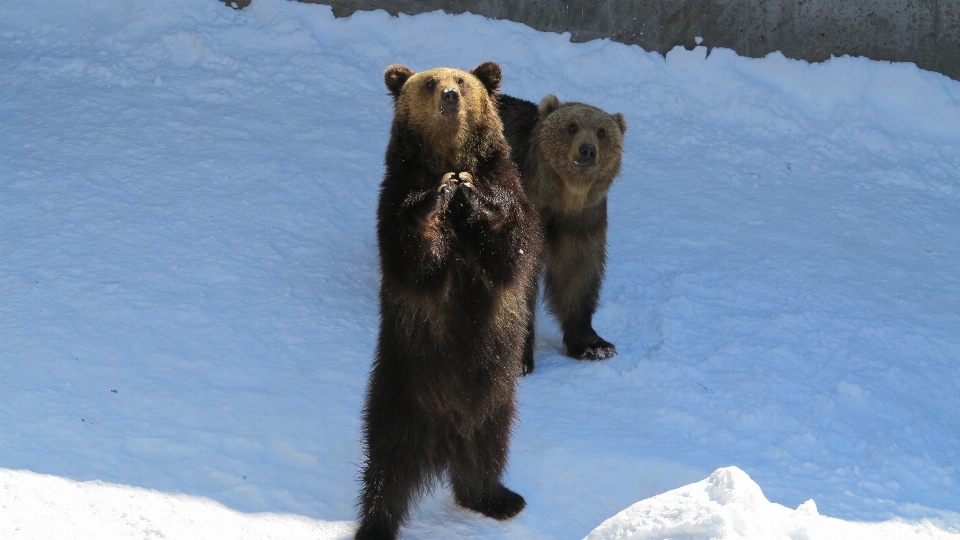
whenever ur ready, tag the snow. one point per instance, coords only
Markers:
(189, 277)
(43, 506)
(729, 504)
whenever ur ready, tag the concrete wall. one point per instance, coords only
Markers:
(926, 32)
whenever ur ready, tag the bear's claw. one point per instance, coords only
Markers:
(597, 353)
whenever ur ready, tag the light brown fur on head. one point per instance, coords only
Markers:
(566, 182)
(455, 130)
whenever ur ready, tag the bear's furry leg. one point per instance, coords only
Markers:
(399, 460)
(385, 501)
(377, 528)
(574, 274)
(477, 466)
(389, 484)
(390, 480)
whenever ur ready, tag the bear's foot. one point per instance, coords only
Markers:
(597, 353)
(528, 365)
(590, 347)
(500, 504)
(370, 530)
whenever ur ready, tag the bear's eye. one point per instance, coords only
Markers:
(460, 81)
(573, 128)
(431, 84)
(601, 133)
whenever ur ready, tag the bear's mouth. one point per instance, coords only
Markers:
(584, 165)
(449, 110)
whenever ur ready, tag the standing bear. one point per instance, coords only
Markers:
(459, 244)
(569, 154)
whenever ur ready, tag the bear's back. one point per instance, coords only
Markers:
(519, 118)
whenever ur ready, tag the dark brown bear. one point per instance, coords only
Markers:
(459, 244)
(569, 154)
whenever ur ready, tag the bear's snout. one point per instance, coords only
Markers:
(587, 154)
(451, 96)
(450, 102)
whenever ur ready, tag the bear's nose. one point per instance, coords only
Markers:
(588, 152)
(451, 96)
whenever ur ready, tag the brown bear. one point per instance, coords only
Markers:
(568, 154)
(459, 244)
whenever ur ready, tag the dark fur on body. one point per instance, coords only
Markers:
(458, 245)
(571, 199)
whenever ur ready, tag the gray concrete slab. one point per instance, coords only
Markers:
(926, 32)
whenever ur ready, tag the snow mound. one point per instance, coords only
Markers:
(729, 504)
(45, 507)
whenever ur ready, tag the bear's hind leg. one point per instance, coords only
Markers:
(477, 465)
(385, 498)
(400, 462)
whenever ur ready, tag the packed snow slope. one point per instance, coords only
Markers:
(188, 269)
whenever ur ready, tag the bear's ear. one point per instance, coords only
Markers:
(489, 74)
(395, 76)
(548, 105)
(621, 121)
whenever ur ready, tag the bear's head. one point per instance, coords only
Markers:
(444, 105)
(583, 144)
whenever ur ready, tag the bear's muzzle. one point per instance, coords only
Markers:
(450, 101)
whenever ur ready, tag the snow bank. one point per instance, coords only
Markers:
(727, 505)
(43, 507)
(730, 505)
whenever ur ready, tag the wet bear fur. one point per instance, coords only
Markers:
(569, 155)
(459, 244)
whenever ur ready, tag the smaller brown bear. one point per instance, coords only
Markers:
(568, 154)
(459, 244)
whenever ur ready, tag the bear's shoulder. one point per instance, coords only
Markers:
(519, 117)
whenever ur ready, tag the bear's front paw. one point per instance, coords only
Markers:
(596, 353)
(447, 189)
(448, 184)
(590, 347)
(483, 209)
(466, 180)
(451, 178)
